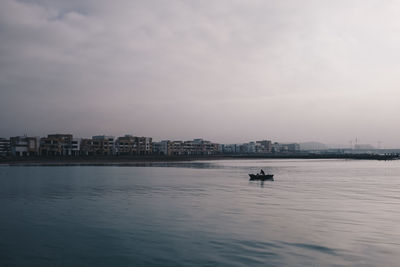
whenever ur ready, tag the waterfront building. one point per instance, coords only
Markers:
(162, 147)
(145, 145)
(126, 145)
(75, 146)
(193, 147)
(292, 147)
(177, 148)
(264, 146)
(98, 145)
(248, 148)
(24, 146)
(275, 148)
(157, 148)
(133, 145)
(4, 147)
(261, 147)
(203, 147)
(59, 145)
(230, 148)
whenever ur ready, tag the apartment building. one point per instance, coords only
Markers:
(98, 145)
(145, 145)
(162, 148)
(264, 146)
(194, 147)
(4, 147)
(59, 145)
(230, 148)
(176, 148)
(248, 148)
(284, 148)
(24, 146)
(133, 145)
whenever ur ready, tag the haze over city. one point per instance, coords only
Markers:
(227, 71)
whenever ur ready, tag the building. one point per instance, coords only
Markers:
(98, 145)
(231, 149)
(145, 145)
(248, 148)
(162, 148)
(275, 148)
(133, 145)
(176, 148)
(264, 146)
(59, 145)
(125, 145)
(292, 147)
(75, 146)
(4, 147)
(194, 147)
(261, 147)
(204, 147)
(24, 146)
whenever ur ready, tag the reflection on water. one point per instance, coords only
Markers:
(316, 212)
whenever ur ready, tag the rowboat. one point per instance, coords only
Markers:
(261, 177)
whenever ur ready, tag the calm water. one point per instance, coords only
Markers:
(316, 212)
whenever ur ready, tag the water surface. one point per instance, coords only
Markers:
(316, 212)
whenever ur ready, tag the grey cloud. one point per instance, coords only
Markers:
(223, 70)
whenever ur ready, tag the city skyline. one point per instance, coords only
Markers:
(228, 71)
(310, 145)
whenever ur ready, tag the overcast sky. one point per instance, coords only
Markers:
(227, 71)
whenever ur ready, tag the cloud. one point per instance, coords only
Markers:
(181, 69)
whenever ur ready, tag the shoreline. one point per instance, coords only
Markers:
(147, 160)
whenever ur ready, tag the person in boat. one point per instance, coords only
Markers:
(262, 172)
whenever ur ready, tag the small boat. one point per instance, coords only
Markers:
(261, 177)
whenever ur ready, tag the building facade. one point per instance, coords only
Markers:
(162, 148)
(98, 145)
(193, 147)
(285, 148)
(264, 146)
(231, 148)
(24, 146)
(4, 147)
(59, 145)
(133, 145)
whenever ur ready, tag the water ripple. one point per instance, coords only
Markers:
(318, 213)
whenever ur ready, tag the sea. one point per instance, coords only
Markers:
(202, 213)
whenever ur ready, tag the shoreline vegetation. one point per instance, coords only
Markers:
(142, 160)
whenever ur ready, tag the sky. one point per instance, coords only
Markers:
(227, 71)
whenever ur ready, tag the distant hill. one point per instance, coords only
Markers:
(312, 146)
